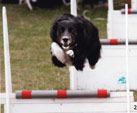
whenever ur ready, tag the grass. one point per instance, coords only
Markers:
(31, 65)
(29, 48)
(29, 38)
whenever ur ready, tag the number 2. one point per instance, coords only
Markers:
(135, 107)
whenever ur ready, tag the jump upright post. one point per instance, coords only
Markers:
(127, 58)
(73, 11)
(8, 82)
(73, 7)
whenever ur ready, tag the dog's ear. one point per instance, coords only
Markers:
(81, 30)
(53, 31)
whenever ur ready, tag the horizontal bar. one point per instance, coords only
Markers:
(74, 108)
(30, 94)
(118, 41)
(115, 97)
(66, 100)
(130, 11)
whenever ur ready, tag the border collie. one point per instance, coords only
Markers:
(74, 39)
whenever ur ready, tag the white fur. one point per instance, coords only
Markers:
(70, 53)
(62, 55)
(58, 52)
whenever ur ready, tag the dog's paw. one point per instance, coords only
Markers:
(92, 67)
(70, 53)
(58, 52)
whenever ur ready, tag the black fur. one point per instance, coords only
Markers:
(57, 62)
(85, 36)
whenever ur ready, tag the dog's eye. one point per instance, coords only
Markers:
(70, 29)
(62, 29)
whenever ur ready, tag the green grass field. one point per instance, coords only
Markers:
(29, 38)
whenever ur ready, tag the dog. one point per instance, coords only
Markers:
(74, 39)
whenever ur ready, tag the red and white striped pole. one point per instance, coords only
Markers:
(130, 11)
(118, 41)
(30, 94)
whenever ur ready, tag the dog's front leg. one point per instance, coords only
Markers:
(57, 51)
(56, 62)
(70, 53)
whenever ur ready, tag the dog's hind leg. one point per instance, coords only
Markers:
(93, 59)
(79, 62)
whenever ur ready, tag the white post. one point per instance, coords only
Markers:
(110, 14)
(8, 83)
(72, 74)
(134, 4)
(29, 5)
(110, 5)
(127, 59)
(73, 10)
(73, 7)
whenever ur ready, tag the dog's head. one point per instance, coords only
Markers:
(65, 31)
(66, 34)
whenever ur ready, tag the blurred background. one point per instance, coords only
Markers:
(29, 26)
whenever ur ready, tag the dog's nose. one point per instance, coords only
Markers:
(65, 39)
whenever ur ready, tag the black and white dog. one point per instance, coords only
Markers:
(74, 39)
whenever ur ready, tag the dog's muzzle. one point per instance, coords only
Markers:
(65, 41)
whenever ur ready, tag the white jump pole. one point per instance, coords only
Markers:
(73, 11)
(8, 83)
(127, 58)
(73, 7)
(33, 94)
